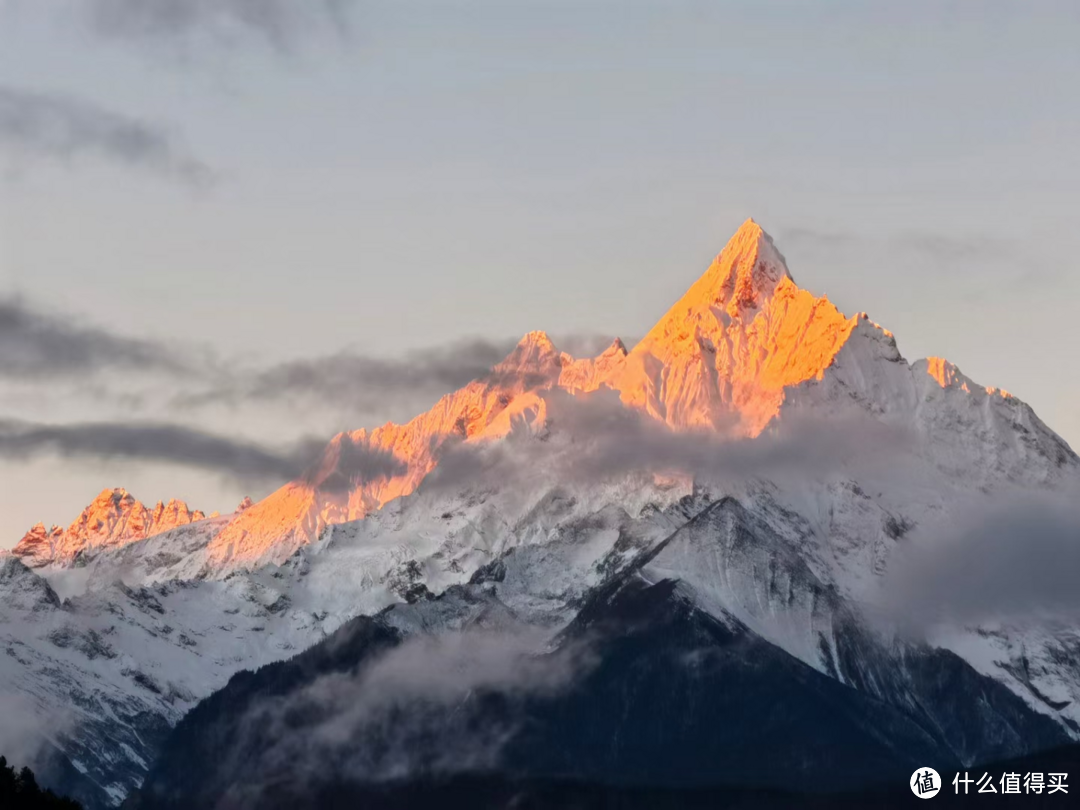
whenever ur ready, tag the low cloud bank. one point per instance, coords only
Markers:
(412, 709)
(593, 437)
(1020, 560)
(26, 729)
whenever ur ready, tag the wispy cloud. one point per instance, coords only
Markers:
(594, 437)
(937, 246)
(165, 443)
(353, 464)
(355, 380)
(390, 717)
(39, 345)
(28, 727)
(942, 258)
(61, 127)
(277, 22)
(365, 384)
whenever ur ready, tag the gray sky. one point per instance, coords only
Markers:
(276, 180)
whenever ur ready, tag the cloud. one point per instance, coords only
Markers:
(1018, 560)
(277, 22)
(62, 127)
(358, 381)
(353, 464)
(594, 437)
(394, 716)
(937, 246)
(28, 728)
(36, 345)
(166, 443)
(44, 346)
(364, 384)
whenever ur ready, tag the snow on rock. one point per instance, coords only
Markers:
(141, 612)
(114, 518)
(362, 470)
(723, 354)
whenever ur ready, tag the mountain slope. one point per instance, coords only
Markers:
(770, 455)
(641, 688)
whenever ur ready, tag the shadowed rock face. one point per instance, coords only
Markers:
(665, 695)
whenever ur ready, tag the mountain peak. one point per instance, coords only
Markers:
(742, 277)
(740, 335)
(114, 518)
(114, 495)
(536, 342)
(617, 348)
(745, 273)
(534, 354)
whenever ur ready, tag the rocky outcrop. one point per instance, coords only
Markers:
(114, 519)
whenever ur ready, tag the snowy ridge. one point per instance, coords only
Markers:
(145, 614)
(112, 520)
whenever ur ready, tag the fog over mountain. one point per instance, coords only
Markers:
(761, 500)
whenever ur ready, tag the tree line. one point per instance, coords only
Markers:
(19, 790)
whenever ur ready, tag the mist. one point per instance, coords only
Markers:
(396, 714)
(1020, 560)
(594, 437)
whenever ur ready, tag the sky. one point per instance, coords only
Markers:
(269, 220)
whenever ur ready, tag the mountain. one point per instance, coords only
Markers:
(661, 694)
(112, 520)
(719, 507)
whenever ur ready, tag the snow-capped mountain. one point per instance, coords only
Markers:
(758, 447)
(112, 520)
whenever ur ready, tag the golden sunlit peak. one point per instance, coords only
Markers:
(534, 351)
(617, 347)
(537, 337)
(740, 279)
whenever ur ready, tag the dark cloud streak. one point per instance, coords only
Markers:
(157, 442)
(365, 384)
(62, 127)
(362, 381)
(36, 345)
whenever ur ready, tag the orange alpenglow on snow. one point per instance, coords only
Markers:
(723, 358)
(114, 519)
(728, 348)
(722, 355)
(945, 372)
